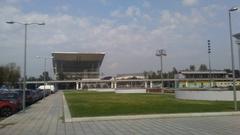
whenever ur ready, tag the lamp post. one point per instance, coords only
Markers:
(209, 64)
(160, 53)
(232, 57)
(237, 36)
(25, 56)
(44, 73)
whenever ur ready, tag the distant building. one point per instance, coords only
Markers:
(130, 76)
(75, 65)
(201, 79)
(203, 74)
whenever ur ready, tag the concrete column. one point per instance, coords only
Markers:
(145, 83)
(175, 84)
(77, 85)
(81, 85)
(186, 84)
(115, 84)
(151, 84)
(112, 84)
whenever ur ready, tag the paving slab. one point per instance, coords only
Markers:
(46, 117)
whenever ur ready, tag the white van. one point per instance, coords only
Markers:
(48, 87)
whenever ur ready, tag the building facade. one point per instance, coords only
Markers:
(75, 65)
(204, 79)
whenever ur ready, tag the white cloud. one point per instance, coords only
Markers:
(147, 17)
(63, 8)
(131, 11)
(13, 2)
(146, 4)
(189, 2)
(116, 13)
(130, 46)
(114, 65)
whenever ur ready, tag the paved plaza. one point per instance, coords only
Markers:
(46, 118)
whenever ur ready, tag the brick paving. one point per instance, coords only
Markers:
(46, 118)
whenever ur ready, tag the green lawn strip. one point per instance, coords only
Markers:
(90, 104)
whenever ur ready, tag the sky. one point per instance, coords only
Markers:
(128, 31)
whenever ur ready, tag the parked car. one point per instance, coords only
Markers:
(7, 107)
(3, 89)
(41, 92)
(12, 97)
(29, 97)
(37, 94)
(34, 96)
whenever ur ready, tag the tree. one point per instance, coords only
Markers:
(46, 74)
(31, 78)
(145, 73)
(153, 75)
(228, 70)
(237, 73)
(61, 76)
(2, 75)
(9, 74)
(203, 67)
(192, 67)
(174, 71)
(14, 73)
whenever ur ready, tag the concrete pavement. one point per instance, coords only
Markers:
(46, 117)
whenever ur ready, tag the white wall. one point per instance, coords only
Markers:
(130, 90)
(102, 90)
(206, 95)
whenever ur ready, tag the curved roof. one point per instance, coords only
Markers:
(76, 62)
(237, 36)
(77, 56)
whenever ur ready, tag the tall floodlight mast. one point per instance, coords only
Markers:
(160, 53)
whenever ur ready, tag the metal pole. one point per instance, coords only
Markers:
(233, 65)
(161, 71)
(24, 68)
(44, 77)
(210, 71)
(25, 58)
(210, 68)
(239, 54)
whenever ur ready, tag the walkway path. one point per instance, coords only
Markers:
(45, 118)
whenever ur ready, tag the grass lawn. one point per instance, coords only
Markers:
(85, 104)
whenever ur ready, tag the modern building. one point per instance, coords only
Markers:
(202, 79)
(203, 74)
(77, 66)
(130, 76)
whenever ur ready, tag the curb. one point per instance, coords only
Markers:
(66, 112)
(152, 116)
(68, 117)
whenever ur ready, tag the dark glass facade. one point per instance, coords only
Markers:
(72, 66)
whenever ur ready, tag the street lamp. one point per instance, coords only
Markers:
(237, 36)
(209, 64)
(25, 56)
(44, 73)
(232, 57)
(160, 53)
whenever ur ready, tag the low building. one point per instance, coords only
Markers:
(204, 74)
(130, 76)
(75, 65)
(203, 79)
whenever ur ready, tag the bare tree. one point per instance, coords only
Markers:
(9, 74)
(203, 67)
(192, 67)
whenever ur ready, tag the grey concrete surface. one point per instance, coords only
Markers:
(46, 118)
